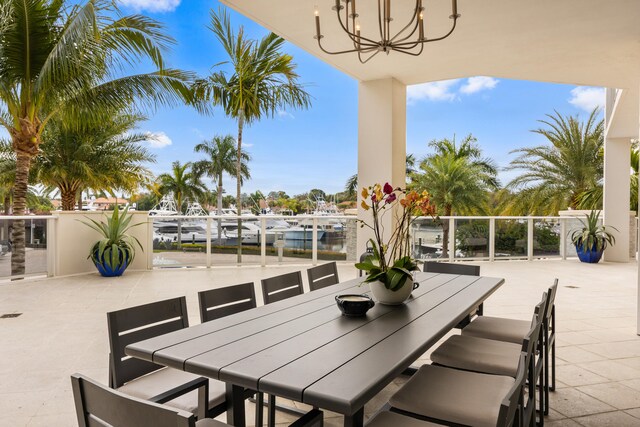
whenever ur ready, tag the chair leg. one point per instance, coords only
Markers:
(259, 409)
(546, 369)
(271, 417)
(553, 349)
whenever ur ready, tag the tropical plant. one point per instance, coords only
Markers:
(391, 262)
(115, 250)
(221, 158)
(458, 179)
(593, 237)
(263, 80)
(556, 176)
(183, 182)
(107, 156)
(57, 60)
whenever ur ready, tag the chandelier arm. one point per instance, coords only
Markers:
(415, 28)
(380, 20)
(368, 59)
(353, 36)
(406, 52)
(342, 51)
(453, 27)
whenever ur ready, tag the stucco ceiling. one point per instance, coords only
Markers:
(584, 42)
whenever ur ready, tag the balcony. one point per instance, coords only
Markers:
(61, 329)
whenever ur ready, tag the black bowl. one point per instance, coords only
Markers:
(354, 305)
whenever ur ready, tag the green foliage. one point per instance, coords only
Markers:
(183, 182)
(394, 276)
(556, 176)
(593, 236)
(116, 247)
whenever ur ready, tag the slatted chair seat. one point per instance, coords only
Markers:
(498, 328)
(98, 405)
(146, 379)
(480, 355)
(281, 287)
(322, 276)
(389, 419)
(158, 382)
(466, 398)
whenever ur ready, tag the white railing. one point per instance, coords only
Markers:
(318, 239)
(261, 244)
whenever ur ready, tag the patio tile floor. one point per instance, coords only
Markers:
(62, 330)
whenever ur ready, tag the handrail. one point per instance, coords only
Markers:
(19, 217)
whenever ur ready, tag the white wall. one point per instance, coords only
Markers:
(74, 240)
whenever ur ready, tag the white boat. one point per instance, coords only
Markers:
(302, 233)
(166, 207)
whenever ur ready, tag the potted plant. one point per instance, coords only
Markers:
(115, 251)
(593, 239)
(389, 267)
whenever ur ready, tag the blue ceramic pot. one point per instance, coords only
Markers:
(592, 256)
(112, 271)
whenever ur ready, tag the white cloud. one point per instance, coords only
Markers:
(283, 114)
(433, 91)
(587, 98)
(158, 139)
(477, 84)
(151, 5)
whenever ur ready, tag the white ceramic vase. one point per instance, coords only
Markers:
(388, 297)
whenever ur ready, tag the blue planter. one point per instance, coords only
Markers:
(107, 271)
(592, 256)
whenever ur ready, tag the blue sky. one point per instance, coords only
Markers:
(317, 148)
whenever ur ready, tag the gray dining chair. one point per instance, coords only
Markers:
(454, 397)
(498, 357)
(513, 330)
(281, 287)
(460, 269)
(147, 380)
(221, 302)
(323, 275)
(387, 419)
(98, 405)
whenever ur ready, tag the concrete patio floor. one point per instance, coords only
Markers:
(62, 330)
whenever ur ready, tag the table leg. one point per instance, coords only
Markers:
(355, 420)
(235, 405)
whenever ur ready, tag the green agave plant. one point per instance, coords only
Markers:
(116, 246)
(592, 235)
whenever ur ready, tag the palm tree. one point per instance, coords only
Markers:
(102, 156)
(68, 61)
(221, 158)
(182, 182)
(555, 176)
(263, 80)
(458, 179)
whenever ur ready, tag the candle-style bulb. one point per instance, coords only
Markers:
(357, 26)
(316, 12)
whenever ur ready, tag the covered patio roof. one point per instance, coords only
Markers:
(584, 42)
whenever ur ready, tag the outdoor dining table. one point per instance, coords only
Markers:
(303, 349)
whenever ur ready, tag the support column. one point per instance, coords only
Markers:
(382, 149)
(617, 165)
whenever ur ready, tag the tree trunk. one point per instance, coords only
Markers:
(220, 209)
(23, 163)
(68, 197)
(239, 187)
(445, 233)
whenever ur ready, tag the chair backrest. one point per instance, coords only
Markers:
(323, 275)
(97, 405)
(282, 287)
(136, 324)
(451, 268)
(551, 298)
(217, 303)
(509, 407)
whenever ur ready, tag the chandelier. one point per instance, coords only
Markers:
(409, 40)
